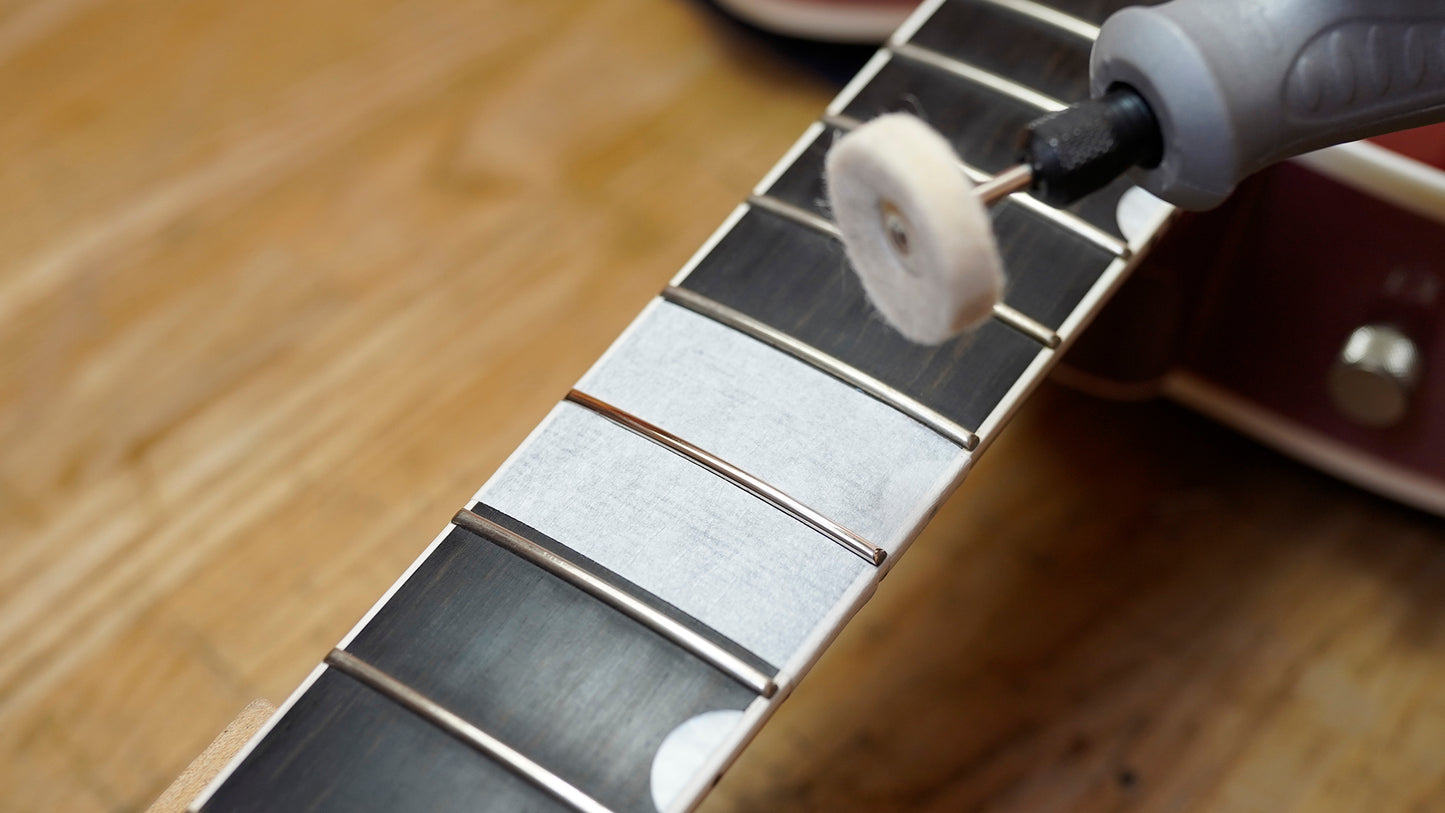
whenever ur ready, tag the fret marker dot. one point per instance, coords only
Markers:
(918, 237)
(686, 750)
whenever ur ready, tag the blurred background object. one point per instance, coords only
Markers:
(827, 20)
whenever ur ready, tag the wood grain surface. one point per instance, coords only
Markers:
(282, 283)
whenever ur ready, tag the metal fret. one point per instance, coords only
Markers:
(767, 260)
(1048, 15)
(797, 214)
(434, 713)
(1025, 325)
(1075, 224)
(1067, 220)
(762, 490)
(621, 600)
(1003, 313)
(978, 76)
(806, 353)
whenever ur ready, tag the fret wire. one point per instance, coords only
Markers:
(836, 532)
(978, 76)
(1075, 224)
(817, 359)
(796, 214)
(1003, 313)
(1023, 324)
(619, 599)
(465, 732)
(1067, 220)
(1083, 29)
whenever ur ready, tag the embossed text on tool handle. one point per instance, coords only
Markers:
(1237, 85)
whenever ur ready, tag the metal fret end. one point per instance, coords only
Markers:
(829, 528)
(818, 360)
(620, 599)
(468, 734)
(1026, 325)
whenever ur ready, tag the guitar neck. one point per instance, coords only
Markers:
(630, 597)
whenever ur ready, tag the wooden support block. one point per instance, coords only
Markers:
(205, 767)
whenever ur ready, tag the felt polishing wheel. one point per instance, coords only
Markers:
(919, 239)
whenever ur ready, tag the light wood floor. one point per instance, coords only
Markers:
(282, 282)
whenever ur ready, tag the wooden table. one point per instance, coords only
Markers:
(282, 283)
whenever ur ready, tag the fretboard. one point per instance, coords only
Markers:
(629, 598)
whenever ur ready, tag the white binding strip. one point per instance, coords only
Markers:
(1084, 312)
(915, 21)
(619, 599)
(1067, 220)
(1099, 293)
(713, 239)
(817, 359)
(803, 142)
(468, 734)
(834, 531)
(240, 756)
(1400, 180)
(391, 591)
(1014, 398)
(978, 76)
(857, 83)
(1318, 450)
(1082, 29)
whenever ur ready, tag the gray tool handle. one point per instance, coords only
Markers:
(1240, 84)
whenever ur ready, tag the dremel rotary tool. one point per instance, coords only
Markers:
(1189, 97)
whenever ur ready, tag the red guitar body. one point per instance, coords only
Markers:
(1244, 312)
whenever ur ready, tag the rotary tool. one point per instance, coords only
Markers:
(1189, 97)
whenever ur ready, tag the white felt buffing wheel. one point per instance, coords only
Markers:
(920, 240)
